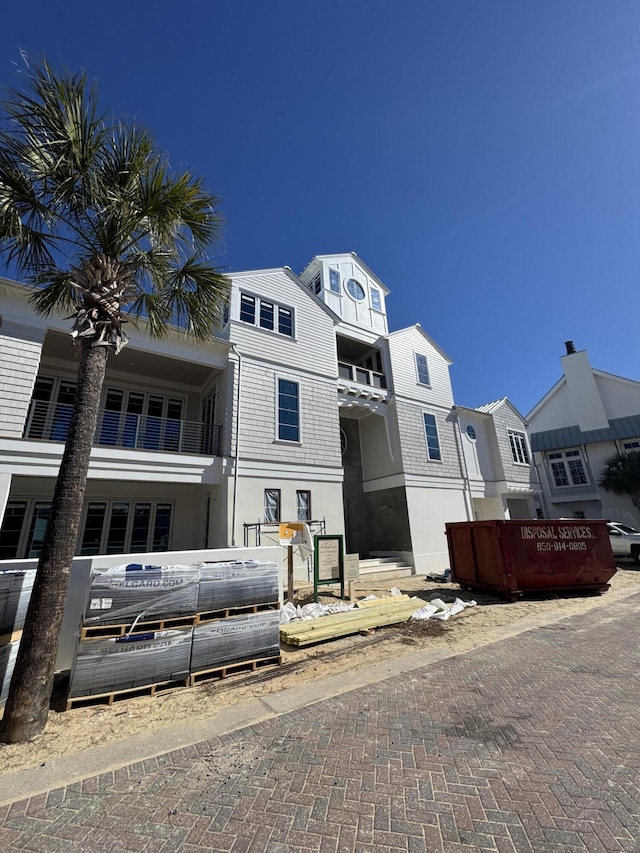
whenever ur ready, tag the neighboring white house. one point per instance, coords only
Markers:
(587, 417)
(304, 408)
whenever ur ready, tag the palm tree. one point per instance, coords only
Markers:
(621, 475)
(92, 215)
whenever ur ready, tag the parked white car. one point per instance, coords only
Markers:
(625, 540)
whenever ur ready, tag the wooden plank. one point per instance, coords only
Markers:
(106, 632)
(356, 615)
(341, 625)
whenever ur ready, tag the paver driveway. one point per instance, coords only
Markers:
(529, 744)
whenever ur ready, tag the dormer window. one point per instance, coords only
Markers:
(355, 289)
(376, 302)
(334, 281)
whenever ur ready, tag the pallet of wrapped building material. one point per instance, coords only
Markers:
(323, 628)
(234, 668)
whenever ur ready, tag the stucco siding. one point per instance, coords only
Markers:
(620, 397)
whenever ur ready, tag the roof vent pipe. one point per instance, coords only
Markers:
(570, 347)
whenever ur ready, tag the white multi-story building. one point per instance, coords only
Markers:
(304, 408)
(586, 418)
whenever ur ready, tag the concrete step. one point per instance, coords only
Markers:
(378, 568)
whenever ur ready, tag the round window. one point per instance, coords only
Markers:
(355, 289)
(471, 433)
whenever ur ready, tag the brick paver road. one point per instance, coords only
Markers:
(530, 744)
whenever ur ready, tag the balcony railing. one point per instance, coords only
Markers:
(50, 422)
(361, 375)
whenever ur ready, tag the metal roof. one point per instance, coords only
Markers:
(554, 439)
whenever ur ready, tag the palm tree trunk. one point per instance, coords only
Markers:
(27, 707)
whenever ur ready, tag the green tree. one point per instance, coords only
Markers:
(621, 475)
(92, 215)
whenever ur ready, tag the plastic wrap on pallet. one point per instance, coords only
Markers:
(239, 584)
(123, 663)
(15, 592)
(8, 655)
(236, 639)
(122, 593)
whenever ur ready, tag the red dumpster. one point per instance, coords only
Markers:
(515, 557)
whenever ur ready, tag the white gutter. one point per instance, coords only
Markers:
(236, 458)
(468, 497)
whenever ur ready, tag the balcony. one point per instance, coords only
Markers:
(50, 422)
(354, 373)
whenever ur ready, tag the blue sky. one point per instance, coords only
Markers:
(481, 156)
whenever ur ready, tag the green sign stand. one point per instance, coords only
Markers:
(328, 562)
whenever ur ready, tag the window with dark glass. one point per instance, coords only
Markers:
(162, 528)
(285, 321)
(288, 410)
(431, 433)
(247, 308)
(11, 529)
(38, 527)
(266, 314)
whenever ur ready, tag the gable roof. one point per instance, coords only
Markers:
(427, 337)
(491, 408)
(357, 259)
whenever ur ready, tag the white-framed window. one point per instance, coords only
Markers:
(108, 527)
(303, 505)
(288, 410)
(432, 438)
(422, 369)
(266, 314)
(376, 302)
(631, 445)
(334, 281)
(518, 445)
(272, 506)
(567, 468)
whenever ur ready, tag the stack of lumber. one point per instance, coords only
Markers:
(374, 614)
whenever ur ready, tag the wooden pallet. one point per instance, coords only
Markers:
(233, 668)
(227, 612)
(129, 693)
(106, 632)
(352, 622)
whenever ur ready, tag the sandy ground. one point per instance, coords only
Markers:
(82, 727)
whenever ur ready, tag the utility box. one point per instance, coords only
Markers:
(516, 557)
